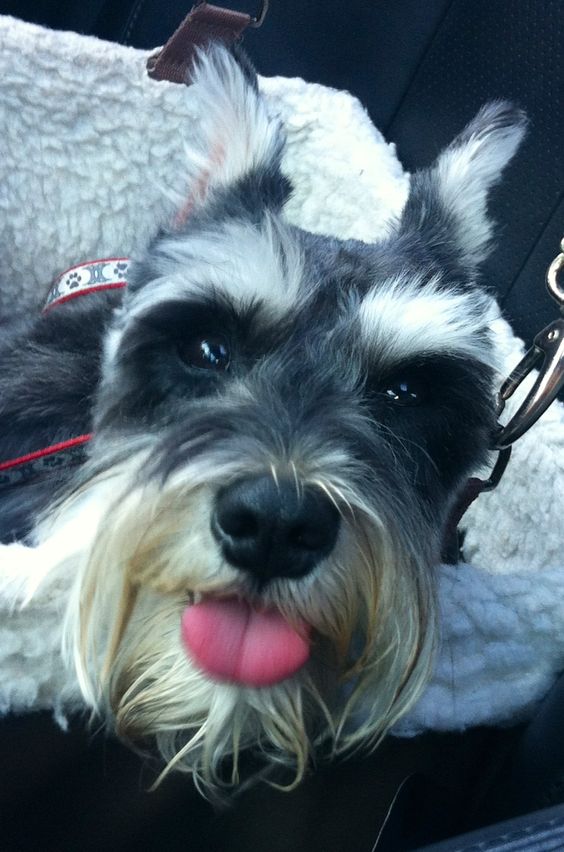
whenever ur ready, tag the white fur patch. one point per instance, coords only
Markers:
(247, 265)
(400, 320)
(236, 133)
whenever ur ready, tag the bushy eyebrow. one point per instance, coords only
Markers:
(248, 264)
(402, 319)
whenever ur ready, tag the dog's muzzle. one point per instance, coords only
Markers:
(274, 528)
(268, 528)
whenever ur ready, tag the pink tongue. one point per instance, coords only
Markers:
(231, 641)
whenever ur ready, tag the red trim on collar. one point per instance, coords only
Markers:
(92, 276)
(46, 451)
(96, 289)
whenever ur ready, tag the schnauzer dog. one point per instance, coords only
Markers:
(281, 424)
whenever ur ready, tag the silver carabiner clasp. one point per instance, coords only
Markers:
(546, 354)
(555, 286)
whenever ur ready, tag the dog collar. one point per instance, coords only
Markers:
(94, 276)
(83, 279)
(42, 462)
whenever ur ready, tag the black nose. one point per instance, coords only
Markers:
(272, 529)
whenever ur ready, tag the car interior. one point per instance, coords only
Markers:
(421, 70)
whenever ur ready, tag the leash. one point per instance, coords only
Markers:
(545, 354)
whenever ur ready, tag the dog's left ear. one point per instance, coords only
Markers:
(235, 135)
(447, 205)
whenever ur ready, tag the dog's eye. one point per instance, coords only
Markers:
(206, 353)
(406, 391)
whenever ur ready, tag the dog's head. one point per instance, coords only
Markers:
(284, 420)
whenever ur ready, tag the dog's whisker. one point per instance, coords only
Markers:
(274, 473)
(296, 479)
(330, 492)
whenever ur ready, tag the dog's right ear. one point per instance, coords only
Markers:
(235, 136)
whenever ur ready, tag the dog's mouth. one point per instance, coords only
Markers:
(235, 641)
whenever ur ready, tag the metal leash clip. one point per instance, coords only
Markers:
(546, 354)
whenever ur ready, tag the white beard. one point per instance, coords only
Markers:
(132, 558)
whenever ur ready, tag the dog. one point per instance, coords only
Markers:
(281, 425)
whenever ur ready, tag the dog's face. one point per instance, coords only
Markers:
(285, 421)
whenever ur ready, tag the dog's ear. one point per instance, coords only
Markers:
(235, 137)
(447, 205)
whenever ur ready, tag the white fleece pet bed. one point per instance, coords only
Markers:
(91, 164)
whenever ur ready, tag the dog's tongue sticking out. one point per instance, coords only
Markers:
(232, 641)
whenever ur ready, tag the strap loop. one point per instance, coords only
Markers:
(203, 24)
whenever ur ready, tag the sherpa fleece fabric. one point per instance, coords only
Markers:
(91, 165)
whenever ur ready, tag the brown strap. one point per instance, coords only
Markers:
(451, 545)
(203, 24)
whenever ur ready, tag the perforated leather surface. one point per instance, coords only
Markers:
(483, 49)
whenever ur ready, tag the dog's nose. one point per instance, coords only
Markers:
(273, 529)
